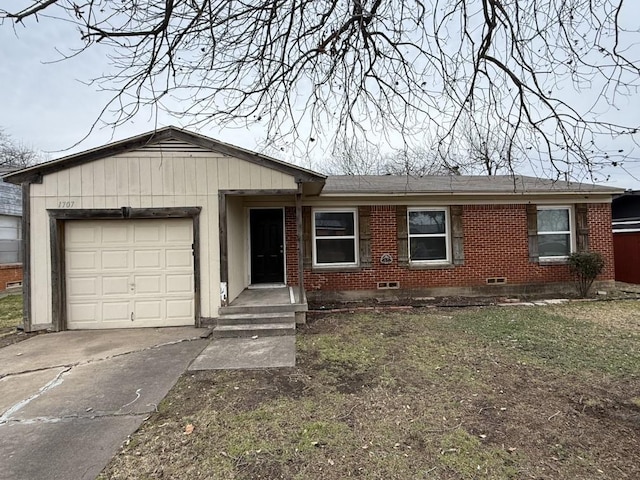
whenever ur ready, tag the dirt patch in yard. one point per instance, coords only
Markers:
(10, 336)
(492, 393)
(11, 319)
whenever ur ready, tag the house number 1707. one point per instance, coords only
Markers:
(66, 203)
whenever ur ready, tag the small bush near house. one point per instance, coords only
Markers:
(586, 266)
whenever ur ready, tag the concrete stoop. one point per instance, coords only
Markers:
(251, 322)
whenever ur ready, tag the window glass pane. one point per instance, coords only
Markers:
(335, 251)
(554, 220)
(556, 245)
(428, 248)
(427, 222)
(331, 224)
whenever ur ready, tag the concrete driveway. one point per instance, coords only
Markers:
(69, 400)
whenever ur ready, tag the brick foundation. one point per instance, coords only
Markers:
(495, 245)
(10, 273)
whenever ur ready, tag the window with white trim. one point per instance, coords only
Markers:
(428, 235)
(555, 236)
(335, 237)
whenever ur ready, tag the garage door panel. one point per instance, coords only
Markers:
(179, 283)
(148, 233)
(179, 308)
(147, 259)
(115, 285)
(82, 287)
(148, 284)
(83, 312)
(115, 311)
(82, 236)
(115, 260)
(148, 309)
(176, 233)
(122, 269)
(82, 261)
(114, 233)
(179, 258)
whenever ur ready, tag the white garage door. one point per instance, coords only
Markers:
(129, 273)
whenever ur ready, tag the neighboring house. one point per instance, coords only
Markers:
(168, 227)
(626, 236)
(10, 236)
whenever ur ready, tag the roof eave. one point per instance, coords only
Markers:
(467, 193)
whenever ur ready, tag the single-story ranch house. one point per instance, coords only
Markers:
(169, 227)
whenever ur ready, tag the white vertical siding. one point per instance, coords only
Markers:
(99, 181)
(41, 262)
(153, 178)
(237, 251)
(86, 184)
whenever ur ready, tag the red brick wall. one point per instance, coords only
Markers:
(10, 273)
(291, 234)
(601, 236)
(495, 245)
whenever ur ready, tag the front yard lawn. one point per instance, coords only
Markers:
(10, 312)
(492, 393)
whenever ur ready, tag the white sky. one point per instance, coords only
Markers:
(46, 106)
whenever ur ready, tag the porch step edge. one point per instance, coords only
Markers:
(255, 318)
(262, 309)
(250, 330)
(256, 315)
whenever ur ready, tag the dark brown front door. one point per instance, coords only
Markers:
(267, 245)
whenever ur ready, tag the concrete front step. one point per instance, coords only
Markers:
(251, 318)
(251, 330)
(260, 309)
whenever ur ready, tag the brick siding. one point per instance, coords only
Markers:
(495, 245)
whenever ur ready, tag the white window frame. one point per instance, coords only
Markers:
(353, 237)
(446, 235)
(572, 246)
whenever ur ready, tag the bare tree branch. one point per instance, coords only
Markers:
(547, 74)
(15, 154)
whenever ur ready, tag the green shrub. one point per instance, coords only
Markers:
(585, 266)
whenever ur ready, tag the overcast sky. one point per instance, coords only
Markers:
(46, 105)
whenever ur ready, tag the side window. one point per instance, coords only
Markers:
(555, 236)
(428, 235)
(335, 238)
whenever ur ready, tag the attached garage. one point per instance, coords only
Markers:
(129, 273)
(152, 231)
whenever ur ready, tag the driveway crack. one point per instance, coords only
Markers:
(57, 380)
(63, 418)
(95, 360)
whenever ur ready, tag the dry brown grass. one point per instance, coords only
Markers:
(491, 393)
(617, 314)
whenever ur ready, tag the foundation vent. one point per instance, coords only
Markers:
(388, 285)
(496, 280)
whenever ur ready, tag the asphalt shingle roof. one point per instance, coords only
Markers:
(462, 184)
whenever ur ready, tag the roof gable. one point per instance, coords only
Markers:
(164, 139)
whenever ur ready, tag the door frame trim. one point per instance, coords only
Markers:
(57, 218)
(284, 242)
